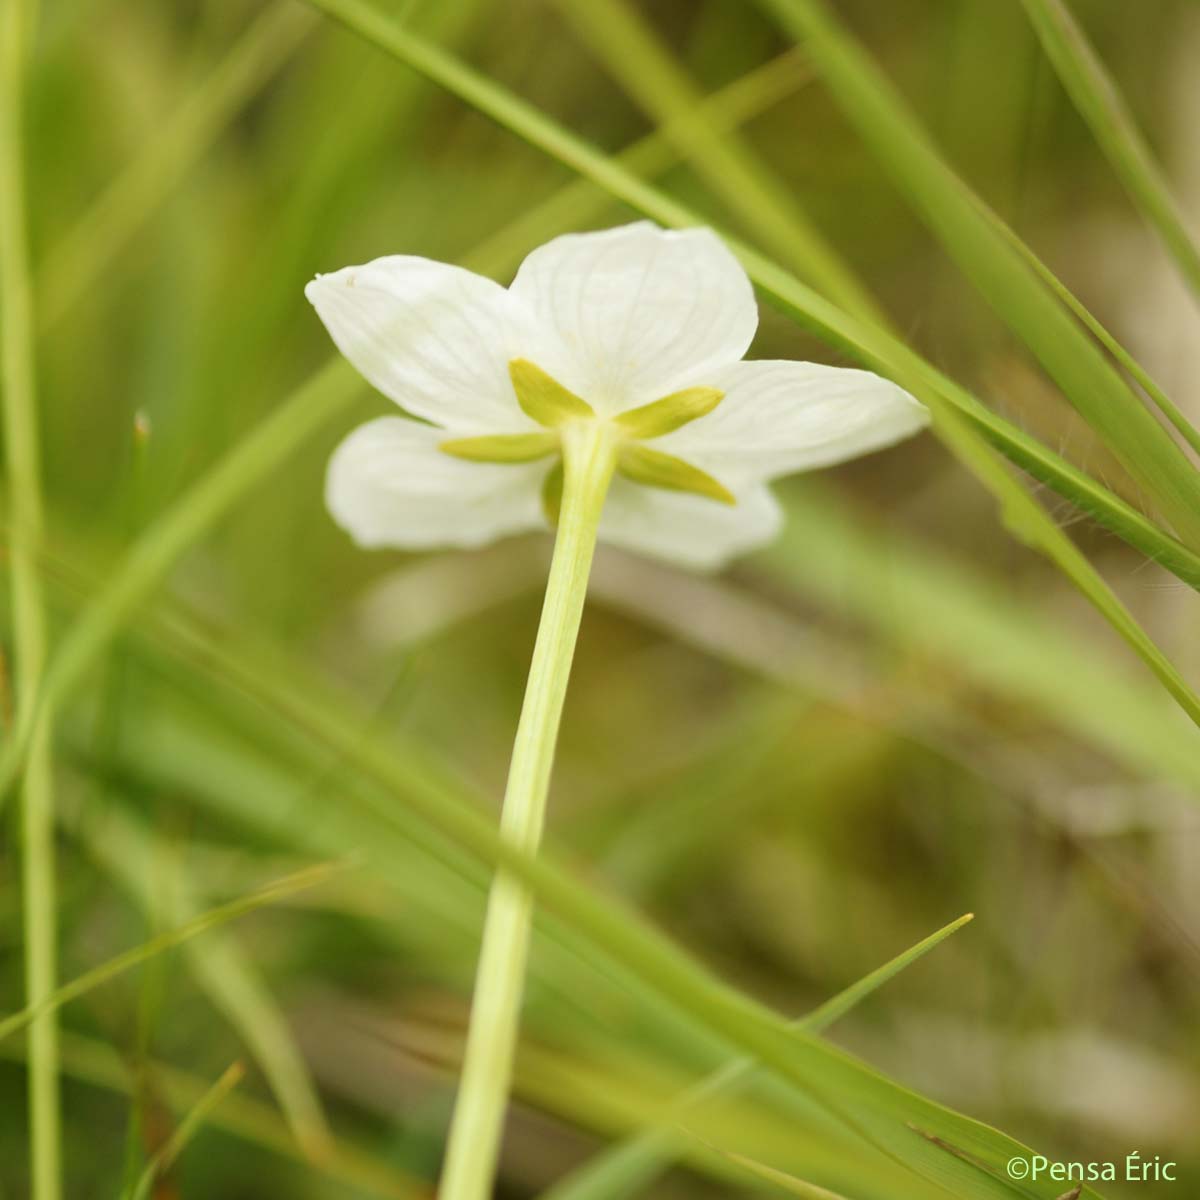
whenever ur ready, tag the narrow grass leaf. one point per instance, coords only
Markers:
(280, 889)
(632, 1165)
(22, 461)
(128, 853)
(99, 1065)
(632, 52)
(165, 1159)
(1031, 310)
(1100, 103)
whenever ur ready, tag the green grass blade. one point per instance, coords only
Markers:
(582, 202)
(951, 211)
(1023, 516)
(630, 50)
(127, 852)
(632, 1165)
(1136, 371)
(778, 1180)
(168, 940)
(1099, 101)
(99, 1065)
(75, 264)
(191, 1124)
(22, 460)
(413, 786)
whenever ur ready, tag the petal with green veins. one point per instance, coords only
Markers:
(652, 467)
(502, 447)
(542, 397)
(670, 413)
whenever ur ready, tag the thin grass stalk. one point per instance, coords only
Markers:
(22, 461)
(1099, 102)
(279, 889)
(97, 1064)
(633, 1164)
(630, 50)
(951, 211)
(191, 1124)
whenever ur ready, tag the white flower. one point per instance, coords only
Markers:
(595, 327)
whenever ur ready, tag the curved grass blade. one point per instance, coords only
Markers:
(167, 940)
(634, 1164)
(579, 203)
(1032, 311)
(99, 1065)
(631, 52)
(1136, 371)
(1100, 103)
(165, 1159)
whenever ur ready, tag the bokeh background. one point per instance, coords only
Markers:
(798, 768)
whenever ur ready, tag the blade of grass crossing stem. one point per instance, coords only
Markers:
(1030, 309)
(1023, 515)
(1100, 103)
(633, 54)
(415, 792)
(878, 1109)
(29, 634)
(76, 262)
(635, 1163)
(165, 1159)
(129, 853)
(280, 889)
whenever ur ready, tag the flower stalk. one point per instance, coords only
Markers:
(589, 459)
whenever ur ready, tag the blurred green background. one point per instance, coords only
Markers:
(798, 768)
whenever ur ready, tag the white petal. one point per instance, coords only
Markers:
(637, 308)
(434, 338)
(781, 417)
(389, 485)
(691, 531)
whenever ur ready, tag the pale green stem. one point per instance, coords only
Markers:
(22, 459)
(474, 1142)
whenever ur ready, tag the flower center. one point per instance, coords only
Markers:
(553, 406)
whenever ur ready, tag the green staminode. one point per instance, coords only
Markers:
(544, 399)
(503, 447)
(670, 413)
(656, 469)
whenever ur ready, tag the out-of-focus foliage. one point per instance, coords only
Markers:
(897, 715)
